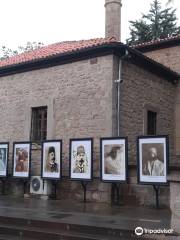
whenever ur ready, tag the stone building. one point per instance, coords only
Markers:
(72, 86)
(167, 52)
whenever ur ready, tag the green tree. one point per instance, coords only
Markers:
(6, 52)
(169, 1)
(158, 23)
(30, 46)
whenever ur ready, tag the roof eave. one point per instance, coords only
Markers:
(59, 59)
(140, 59)
(86, 53)
(147, 47)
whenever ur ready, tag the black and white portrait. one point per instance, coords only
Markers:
(51, 159)
(81, 158)
(81, 164)
(152, 159)
(4, 149)
(113, 159)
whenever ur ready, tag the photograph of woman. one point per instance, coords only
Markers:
(113, 159)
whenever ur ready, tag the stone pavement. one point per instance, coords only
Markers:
(89, 214)
(85, 213)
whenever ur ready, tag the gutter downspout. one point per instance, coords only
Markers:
(115, 186)
(119, 81)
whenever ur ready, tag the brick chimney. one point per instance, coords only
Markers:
(113, 19)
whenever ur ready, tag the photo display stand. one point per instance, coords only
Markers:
(114, 164)
(54, 184)
(3, 189)
(156, 189)
(153, 162)
(51, 163)
(115, 195)
(25, 183)
(81, 162)
(22, 162)
(84, 185)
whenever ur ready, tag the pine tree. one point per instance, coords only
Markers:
(156, 24)
(169, 1)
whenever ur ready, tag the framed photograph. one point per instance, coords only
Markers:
(51, 159)
(152, 159)
(4, 155)
(113, 159)
(81, 159)
(21, 159)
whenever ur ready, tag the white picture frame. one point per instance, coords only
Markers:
(152, 159)
(51, 159)
(4, 157)
(21, 159)
(81, 159)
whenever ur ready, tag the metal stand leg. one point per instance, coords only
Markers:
(156, 189)
(25, 185)
(112, 194)
(54, 189)
(84, 185)
(3, 186)
(115, 196)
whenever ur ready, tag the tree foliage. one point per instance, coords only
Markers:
(169, 1)
(158, 23)
(6, 52)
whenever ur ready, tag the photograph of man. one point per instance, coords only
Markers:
(51, 163)
(153, 161)
(80, 160)
(21, 160)
(113, 159)
(2, 159)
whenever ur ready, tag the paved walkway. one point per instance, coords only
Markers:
(93, 214)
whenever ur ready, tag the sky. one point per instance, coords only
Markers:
(51, 21)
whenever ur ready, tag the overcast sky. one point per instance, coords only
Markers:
(52, 21)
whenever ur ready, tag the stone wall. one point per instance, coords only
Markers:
(82, 102)
(174, 179)
(79, 100)
(170, 57)
(142, 91)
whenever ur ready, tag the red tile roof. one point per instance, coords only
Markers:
(156, 42)
(55, 49)
(63, 52)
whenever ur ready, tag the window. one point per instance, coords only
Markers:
(39, 124)
(151, 122)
